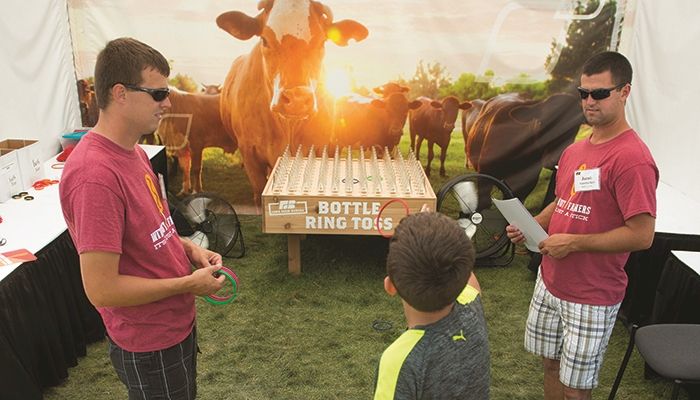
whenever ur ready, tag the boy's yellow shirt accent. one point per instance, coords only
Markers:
(391, 362)
(468, 295)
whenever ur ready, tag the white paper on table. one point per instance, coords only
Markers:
(515, 212)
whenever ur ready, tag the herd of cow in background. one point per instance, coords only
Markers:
(275, 96)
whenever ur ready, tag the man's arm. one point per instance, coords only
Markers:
(636, 234)
(545, 215)
(105, 287)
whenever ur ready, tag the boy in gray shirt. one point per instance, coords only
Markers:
(444, 352)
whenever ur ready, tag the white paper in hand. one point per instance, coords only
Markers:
(517, 215)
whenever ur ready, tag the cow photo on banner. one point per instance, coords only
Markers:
(494, 80)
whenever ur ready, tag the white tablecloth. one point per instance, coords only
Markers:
(676, 212)
(33, 224)
(689, 258)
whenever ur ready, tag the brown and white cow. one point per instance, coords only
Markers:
(270, 93)
(190, 125)
(435, 121)
(516, 138)
(468, 118)
(372, 122)
(210, 89)
(88, 103)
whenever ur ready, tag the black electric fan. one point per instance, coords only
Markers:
(210, 222)
(467, 199)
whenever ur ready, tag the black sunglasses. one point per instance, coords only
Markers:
(157, 94)
(598, 94)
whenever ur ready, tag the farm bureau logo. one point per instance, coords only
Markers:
(288, 207)
(166, 229)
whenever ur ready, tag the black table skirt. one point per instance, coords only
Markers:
(677, 295)
(644, 269)
(46, 321)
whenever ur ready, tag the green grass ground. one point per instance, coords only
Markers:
(311, 337)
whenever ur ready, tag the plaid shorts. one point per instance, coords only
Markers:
(576, 334)
(164, 374)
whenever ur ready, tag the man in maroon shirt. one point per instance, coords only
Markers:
(136, 270)
(605, 207)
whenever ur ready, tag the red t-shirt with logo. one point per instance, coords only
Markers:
(628, 178)
(112, 202)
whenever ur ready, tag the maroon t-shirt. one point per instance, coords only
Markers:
(112, 202)
(627, 178)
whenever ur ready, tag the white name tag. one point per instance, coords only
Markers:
(587, 180)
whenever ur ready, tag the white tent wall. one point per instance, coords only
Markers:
(660, 38)
(39, 97)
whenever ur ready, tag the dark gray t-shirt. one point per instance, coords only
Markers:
(445, 360)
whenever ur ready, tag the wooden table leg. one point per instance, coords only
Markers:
(294, 253)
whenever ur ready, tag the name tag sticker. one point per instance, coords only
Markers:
(587, 180)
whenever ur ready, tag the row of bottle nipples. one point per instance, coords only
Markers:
(281, 174)
(310, 164)
(376, 178)
(336, 170)
(362, 172)
(389, 172)
(415, 171)
(295, 172)
(290, 171)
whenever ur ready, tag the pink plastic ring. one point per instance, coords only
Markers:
(381, 210)
(233, 278)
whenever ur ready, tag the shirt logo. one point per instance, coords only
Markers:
(154, 194)
(166, 229)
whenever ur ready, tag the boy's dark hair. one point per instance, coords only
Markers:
(430, 260)
(121, 61)
(619, 67)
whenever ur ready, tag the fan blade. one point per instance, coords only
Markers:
(200, 238)
(470, 231)
(227, 231)
(219, 206)
(195, 210)
(468, 227)
(467, 196)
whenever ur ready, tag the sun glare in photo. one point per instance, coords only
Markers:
(338, 83)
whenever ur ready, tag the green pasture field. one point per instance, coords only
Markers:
(311, 337)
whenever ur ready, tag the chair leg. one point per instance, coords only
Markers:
(676, 387)
(625, 360)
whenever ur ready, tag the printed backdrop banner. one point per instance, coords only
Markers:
(511, 67)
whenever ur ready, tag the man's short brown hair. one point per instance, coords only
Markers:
(122, 61)
(430, 260)
(618, 65)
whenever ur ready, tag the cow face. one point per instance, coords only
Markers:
(292, 37)
(449, 109)
(396, 107)
(391, 87)
(211, 89)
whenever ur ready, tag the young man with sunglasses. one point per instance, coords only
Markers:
(136, 270)
(605, 207)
